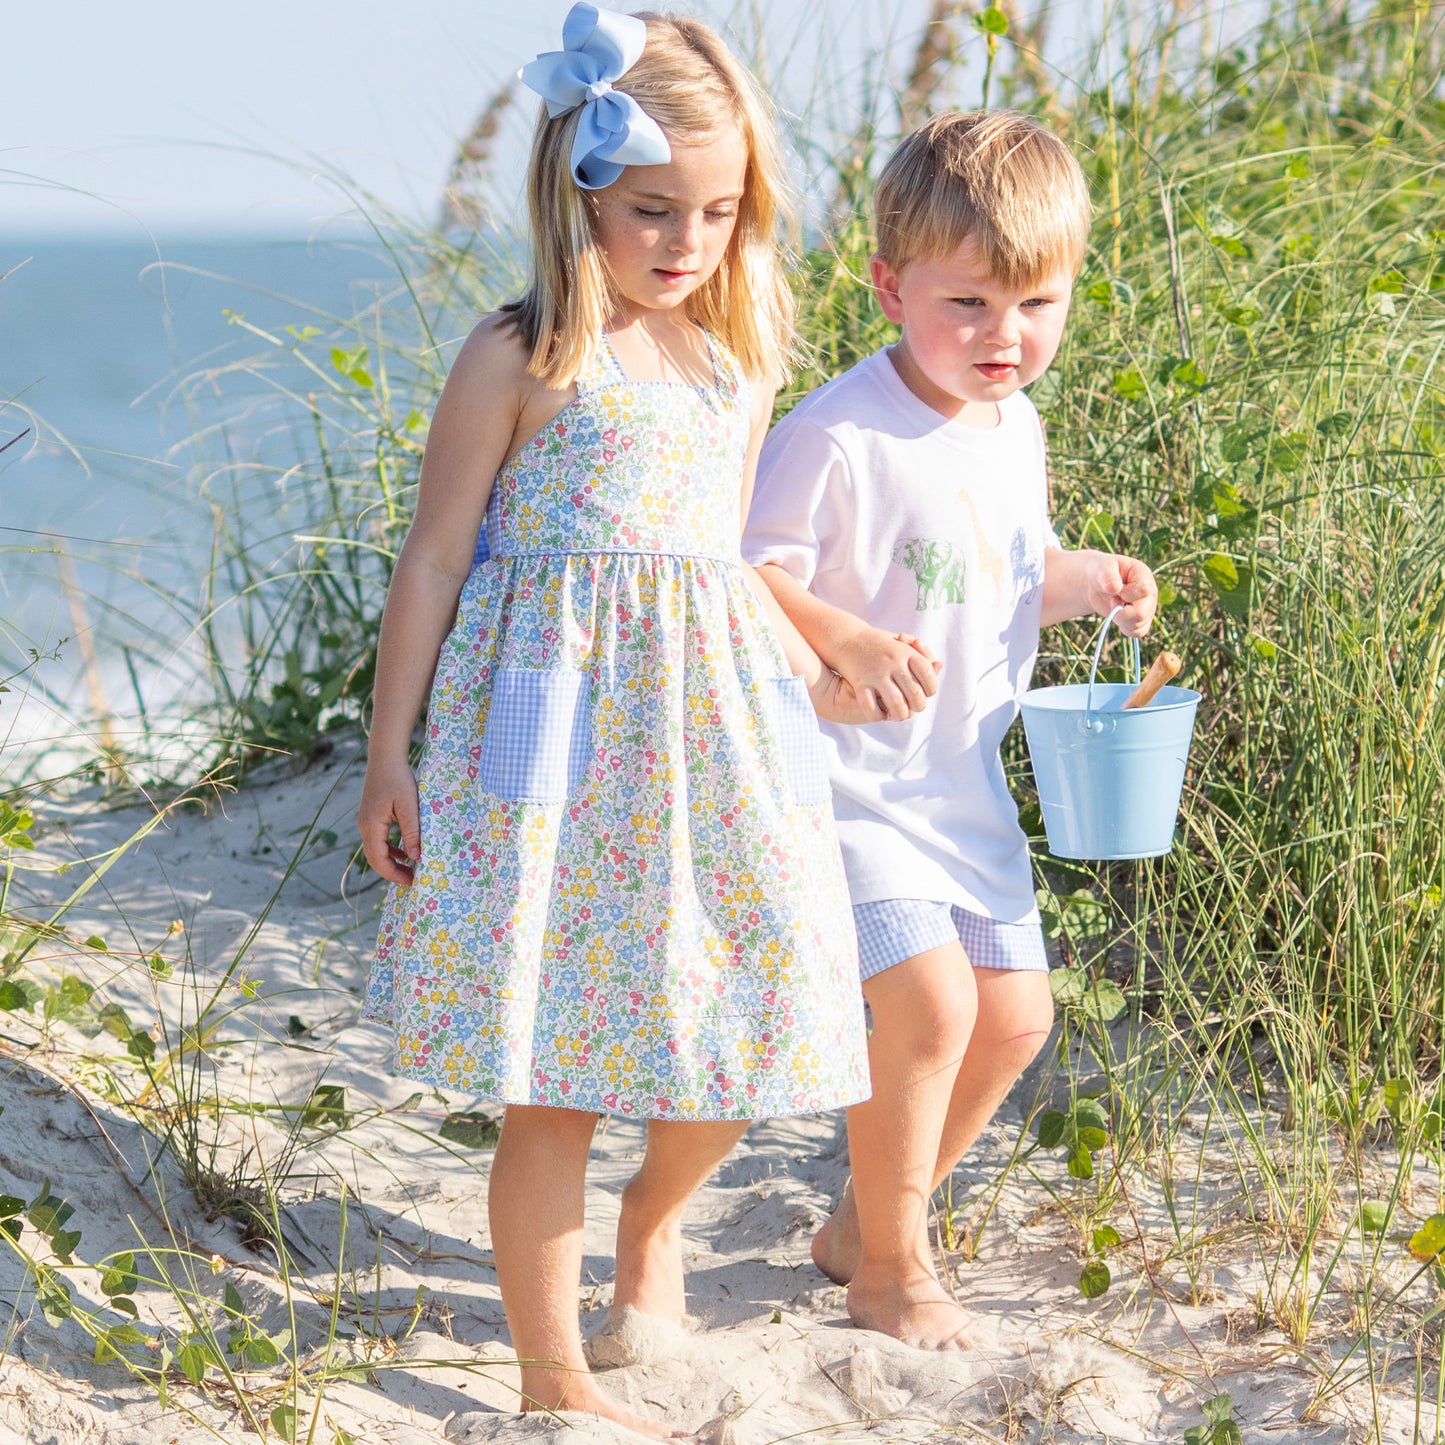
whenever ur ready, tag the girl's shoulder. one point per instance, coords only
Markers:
(495, 354)
(492, 375)
(493, 368)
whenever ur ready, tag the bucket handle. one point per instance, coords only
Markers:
(1089, 721)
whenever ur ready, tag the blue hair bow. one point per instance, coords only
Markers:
(613, 131)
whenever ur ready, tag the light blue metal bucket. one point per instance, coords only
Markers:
(1109, 780)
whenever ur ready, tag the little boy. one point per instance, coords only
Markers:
(901, 520)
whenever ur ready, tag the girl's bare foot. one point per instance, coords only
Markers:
(577, 1392)
(649, 1263)
(915, 1309)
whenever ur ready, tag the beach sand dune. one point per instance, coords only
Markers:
(370, 1268)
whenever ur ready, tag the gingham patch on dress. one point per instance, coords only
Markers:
(538, 739)
(804, 763)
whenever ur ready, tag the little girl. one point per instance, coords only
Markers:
(619, 888)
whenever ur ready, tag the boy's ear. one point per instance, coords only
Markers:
(885, 284)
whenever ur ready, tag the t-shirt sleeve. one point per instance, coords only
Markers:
(800, 501)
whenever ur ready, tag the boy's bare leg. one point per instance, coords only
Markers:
(1015, 1014)
(535, 1203)
(679, 1159)
(923, 1014)
(838, 1244)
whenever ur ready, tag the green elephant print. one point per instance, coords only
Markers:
(937, 568)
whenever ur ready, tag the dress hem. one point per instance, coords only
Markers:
(675, 1116)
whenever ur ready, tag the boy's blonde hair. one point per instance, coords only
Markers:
(691, 85)
(994, 178)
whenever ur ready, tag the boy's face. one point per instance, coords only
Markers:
(969, 341)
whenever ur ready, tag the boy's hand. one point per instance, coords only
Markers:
(892, 674)
(1114, 581)
(389, 796)
(1125, 582)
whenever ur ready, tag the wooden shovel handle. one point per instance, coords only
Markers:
(1165, 666)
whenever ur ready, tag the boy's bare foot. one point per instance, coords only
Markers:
(579, 1394)
(917, 1310)
(838, 1246)
(649, 1265)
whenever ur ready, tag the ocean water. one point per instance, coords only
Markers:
(106, 513)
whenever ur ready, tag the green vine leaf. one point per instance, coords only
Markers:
(54, 1297)
(120, 1277)
(991, 21)
(471, 1130)
(1051, 1127)
(1374, 1215)
(1428, 1241)
(1130, 384)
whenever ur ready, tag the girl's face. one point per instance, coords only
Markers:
(665, 229)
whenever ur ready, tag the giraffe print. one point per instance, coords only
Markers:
(990, 561)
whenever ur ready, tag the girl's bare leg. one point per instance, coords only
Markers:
(535, 1203)
(679, 1159)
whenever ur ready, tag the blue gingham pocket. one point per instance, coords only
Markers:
(805, 765)
(538, 737)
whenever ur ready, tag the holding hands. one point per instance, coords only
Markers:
(856, 673)
(891, 674)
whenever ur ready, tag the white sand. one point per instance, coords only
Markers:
(395, 1217)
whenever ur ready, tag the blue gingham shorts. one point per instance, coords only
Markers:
(897, 928)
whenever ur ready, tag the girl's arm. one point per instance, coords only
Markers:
(832, 697)
(471, 434)
(1078, 583)
(892, 673)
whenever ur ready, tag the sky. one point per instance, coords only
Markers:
(171, 117)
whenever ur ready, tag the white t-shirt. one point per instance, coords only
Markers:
(880, 506)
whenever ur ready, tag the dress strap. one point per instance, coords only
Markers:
(727, 370)
(605, 370)
(715, 361)
(602, 370)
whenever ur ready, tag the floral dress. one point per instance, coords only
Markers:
(630, 896)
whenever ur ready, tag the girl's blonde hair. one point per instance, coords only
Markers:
(691, 85)
(995, 178)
